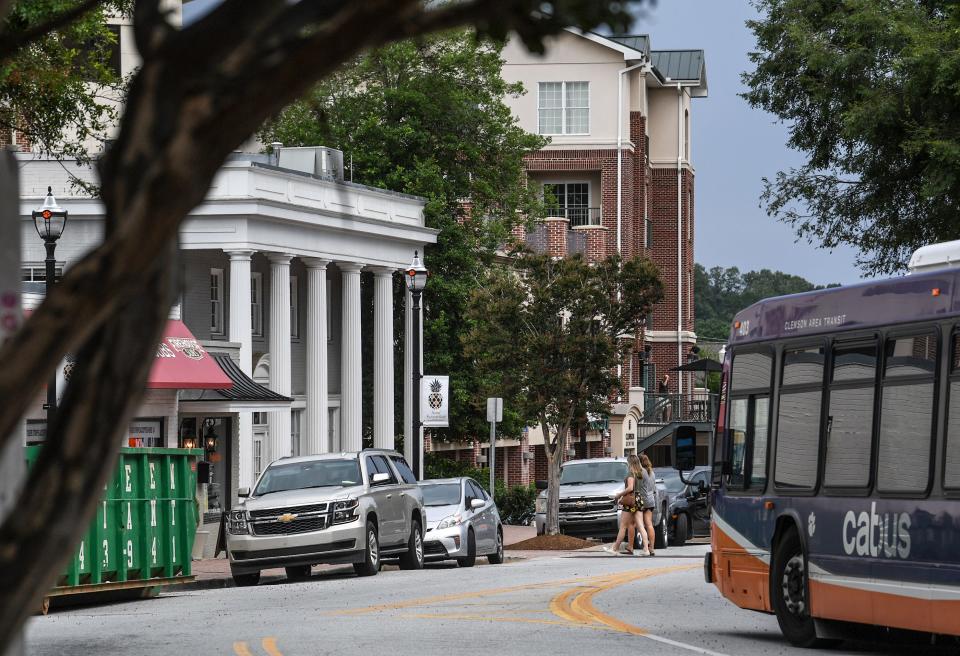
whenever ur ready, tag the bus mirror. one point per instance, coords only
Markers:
(685, 448)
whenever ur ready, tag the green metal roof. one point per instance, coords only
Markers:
(678, 64)
(639, 42)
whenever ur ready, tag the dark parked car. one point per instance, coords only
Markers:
(688, 509)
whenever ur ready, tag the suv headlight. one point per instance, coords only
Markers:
(450, 522)
(237, 522)
(345, 511)
(541, 505)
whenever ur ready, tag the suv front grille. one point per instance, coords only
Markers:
(271, 513)
(289, 528)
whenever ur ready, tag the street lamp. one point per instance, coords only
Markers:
(415, 278)
(50, 221)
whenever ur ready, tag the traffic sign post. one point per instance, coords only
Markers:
(494, 414)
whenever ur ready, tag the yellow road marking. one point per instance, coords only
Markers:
(490, 618)
(440, 599)
(241, 649)
(270, 646)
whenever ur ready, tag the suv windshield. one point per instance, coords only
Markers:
(314, 473)
(593, 472)
(442, 494)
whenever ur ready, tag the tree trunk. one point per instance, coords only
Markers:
(554, 453)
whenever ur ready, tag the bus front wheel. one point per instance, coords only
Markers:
(791, 593)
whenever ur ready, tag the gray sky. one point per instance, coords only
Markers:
(734, 146)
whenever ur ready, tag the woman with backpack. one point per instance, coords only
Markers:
(630, 516)
(647, 497)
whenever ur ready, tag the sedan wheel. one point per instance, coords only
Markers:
(497, 556)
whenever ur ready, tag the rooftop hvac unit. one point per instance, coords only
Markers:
(323, 162)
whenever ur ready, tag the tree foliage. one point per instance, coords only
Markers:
(199, 93)
(426, 116)
(719, 293)
(870, 92)
(59, 91)
(549, 333)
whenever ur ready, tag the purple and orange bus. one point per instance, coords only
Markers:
(836, 478)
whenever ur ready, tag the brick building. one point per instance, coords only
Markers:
(618, 177)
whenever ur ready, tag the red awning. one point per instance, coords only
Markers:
(183, 364)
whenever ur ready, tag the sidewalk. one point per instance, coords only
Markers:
(212, 573)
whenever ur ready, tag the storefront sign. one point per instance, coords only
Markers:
(434, 401)
(145, 432)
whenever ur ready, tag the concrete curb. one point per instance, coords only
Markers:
(226, 581)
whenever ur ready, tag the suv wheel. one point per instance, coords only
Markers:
(661, 539)
(246, 580)
(300, 573)
(497, 556)
(471, 557)
(413, 557)
(371, 561)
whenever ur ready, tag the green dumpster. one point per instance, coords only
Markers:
(143, 531)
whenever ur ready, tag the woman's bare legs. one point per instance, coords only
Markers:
(651, 535)
(625, 523)
(644, 540)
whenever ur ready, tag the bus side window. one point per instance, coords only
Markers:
(906, 414)
(849, 432)
(951, 464)
(748, 424)
(798, 420)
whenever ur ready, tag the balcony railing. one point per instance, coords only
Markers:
(689, 406)
(578, 216)
(538, 242)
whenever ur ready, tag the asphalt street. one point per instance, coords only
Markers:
(579, 603)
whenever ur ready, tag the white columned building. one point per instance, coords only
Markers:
(383, 429)
(351, 370)
(279, 421)
(264, 225)
(317, 429)
(239, 301)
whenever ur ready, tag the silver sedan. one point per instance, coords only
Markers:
(462, 522)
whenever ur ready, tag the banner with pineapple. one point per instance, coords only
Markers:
(434, 401)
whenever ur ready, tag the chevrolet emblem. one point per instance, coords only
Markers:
(286, 518)
(581, 504)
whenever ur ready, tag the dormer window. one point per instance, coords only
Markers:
(564, 108)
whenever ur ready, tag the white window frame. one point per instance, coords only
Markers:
(294, 308)
(40, 267)
(257, 456)
(563, 107)
(216, 305)
(296, 432)
(256, 304)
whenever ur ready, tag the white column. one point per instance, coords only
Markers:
(316, 432)
(383, 430)
(278, 421)
(240, 332)
(351, 374)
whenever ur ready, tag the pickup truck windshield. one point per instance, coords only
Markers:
(584, 473)
(315, 473)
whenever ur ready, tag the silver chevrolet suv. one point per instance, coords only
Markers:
(334, 508)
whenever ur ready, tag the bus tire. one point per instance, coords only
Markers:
(790, 592)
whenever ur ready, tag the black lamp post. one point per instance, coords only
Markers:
(50, 221)
(416, 278)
